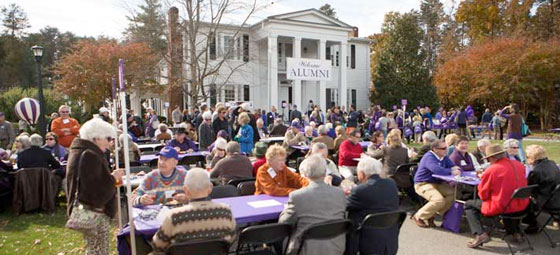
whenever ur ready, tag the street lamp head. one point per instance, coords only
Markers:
(37, 51)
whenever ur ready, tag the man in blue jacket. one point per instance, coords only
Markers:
(440, 195)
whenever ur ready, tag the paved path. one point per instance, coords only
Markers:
(414, 240)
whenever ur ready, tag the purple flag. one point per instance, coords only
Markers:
(121, 75)
(113, 89)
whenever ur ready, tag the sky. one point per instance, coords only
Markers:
(108, 17)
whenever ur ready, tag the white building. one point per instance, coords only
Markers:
(260, 64)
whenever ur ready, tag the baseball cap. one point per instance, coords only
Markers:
(168, 152)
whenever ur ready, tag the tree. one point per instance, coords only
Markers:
(399, 63)
(85, 73)
(14, 20)
(148, 26)
(431, 16)
(328, 10)
(482, 18)
(497, 72)
(203, 22)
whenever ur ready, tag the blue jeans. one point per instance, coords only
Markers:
(521, 151)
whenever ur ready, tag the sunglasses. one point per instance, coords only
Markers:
(514, 147)
(50, 138)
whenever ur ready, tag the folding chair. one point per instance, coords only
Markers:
(264, 236)
(137, 169)
(224, 191)
(199, 247)
(519, 193)
(324, 231)
(235, 182)
(383, 220)
(246, 188)
(554, 214)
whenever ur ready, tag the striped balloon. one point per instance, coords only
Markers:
(28, 109)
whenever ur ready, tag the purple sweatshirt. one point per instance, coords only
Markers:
(430, 164)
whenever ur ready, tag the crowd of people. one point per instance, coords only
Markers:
(322, 164)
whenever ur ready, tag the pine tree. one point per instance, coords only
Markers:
(328, 10)
(14, 20)
(148, 26)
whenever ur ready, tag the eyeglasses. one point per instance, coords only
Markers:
(64, 111)
(442, 148)
(50, 138)
(515, 147)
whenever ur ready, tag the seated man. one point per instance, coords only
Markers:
(294, 137)
(374, 194)
(427, 139)
(278, 129)
(348, 151)
(164, 183)
(497, 184)
(234, 166)
(545, 174)
(440, 194)
(332, 170)
(199, 219)
(315, 203)
(35, 156)
(480, 149)
(274, 178)
(181, 142)
(324, 137)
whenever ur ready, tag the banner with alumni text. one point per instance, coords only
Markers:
(307, 69)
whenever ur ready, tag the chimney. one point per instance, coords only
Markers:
(175, 65)
(355, 31)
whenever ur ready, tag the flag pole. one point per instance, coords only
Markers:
(116, 125)
(122, 95)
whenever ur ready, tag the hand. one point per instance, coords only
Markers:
(190, 151)
(181, 198)
(118, 174)
(456, 171)
(177, 149)
(147, 199)
(328, 180)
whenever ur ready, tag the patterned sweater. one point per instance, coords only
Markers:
(159, 184)
(200, 219)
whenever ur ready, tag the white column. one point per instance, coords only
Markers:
(343, 70)
(323, 84)
(272, 71)
(296, 90)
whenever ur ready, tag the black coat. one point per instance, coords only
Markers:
(36, 156)
(545, 173)
(374, 196)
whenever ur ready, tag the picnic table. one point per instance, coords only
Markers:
(278, 139)
(364, 144)
(245, 209)
(199, 154)
(150, 146)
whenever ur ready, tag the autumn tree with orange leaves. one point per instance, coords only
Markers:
(85, 73)
(500, 71)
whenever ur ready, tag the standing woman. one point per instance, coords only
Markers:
(96, 189)
(515, 122)
(245, 135)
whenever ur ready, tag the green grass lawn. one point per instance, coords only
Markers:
(42, 234)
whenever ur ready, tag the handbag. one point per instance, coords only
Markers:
(83, 219)
(452, 218)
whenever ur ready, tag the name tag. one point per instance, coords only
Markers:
(65, 121)
(169, 193)
(271, 172)
(463, 163)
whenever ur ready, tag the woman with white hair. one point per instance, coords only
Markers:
(374, 194)
(512, 149)
(163, 133)
(20, 144)
(91, 184)
(206, 135)
(133, 150)
(218, 152)
(245, 135)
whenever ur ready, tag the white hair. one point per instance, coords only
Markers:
(510, 143)
(197, 180)
(314, 167)
(369, 166)
(430, 136)
(329, 126)
(220, 143)
(122, 136)
(308, 128)
(207, 115)
(318, 146)
(312, 123)
(36, 140)
(97, 128)
(323, 130)
(246, 106)
(259, 120)
(483, 142)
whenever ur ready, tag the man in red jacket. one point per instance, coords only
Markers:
(497, 185)
(347, 152)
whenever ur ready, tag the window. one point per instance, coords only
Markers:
(353, 56)
(238, 48)
(227, 47)
(246, 93)
(279, 52)
(245, 48)
(328, 53)
(212, 46)
(337, 57)
(290, 93)
(229, 93)
(353, 97)
(213, 96)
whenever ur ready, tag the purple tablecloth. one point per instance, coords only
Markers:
(301, 147)
(150, 157)
(242, 212)
(468, 178)
(365, 144)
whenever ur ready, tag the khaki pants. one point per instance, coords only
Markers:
(348, 172)
(440, 198)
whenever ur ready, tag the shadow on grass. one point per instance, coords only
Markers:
(9, 222)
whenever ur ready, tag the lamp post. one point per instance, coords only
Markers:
(556, 87)
(38, 53)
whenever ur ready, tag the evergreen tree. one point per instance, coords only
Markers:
(400, 70)
(14, 20)
(148, 26)
(431, 16)
(328, 10)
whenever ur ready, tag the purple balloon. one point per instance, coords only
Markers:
(28, 110)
